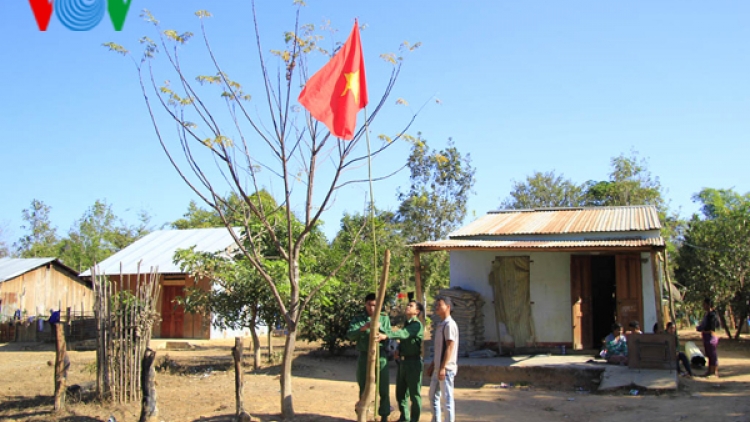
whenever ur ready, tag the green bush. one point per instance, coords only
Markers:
(327, 318)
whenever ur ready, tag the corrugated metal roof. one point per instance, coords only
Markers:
(563, 220)
(538, 244)
(156, 250)
(14, 267)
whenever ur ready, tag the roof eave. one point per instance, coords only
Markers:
(418, 248)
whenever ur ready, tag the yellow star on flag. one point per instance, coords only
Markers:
(352, 84)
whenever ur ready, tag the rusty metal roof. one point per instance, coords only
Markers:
(539, 244)
(563, 221)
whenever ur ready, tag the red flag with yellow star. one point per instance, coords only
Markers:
(338, 90)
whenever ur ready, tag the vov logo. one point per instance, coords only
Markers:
(80, 15)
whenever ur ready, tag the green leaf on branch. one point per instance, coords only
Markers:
(117, 48)
(180, 38)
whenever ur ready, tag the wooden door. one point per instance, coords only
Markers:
(172, 314)
(580, 298)
(629, 291)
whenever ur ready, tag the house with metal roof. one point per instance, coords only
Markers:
(154, 253)
(558, 276)
(32, 286)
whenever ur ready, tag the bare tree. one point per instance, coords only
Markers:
(273, 135)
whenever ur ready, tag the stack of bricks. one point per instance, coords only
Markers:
(468, 314)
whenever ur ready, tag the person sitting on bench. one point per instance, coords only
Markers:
(635, 328)
(615, 349)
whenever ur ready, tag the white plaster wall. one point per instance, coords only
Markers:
(649, 298)
(217, 333)
(549, 290)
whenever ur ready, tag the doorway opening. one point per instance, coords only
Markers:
(603, 300)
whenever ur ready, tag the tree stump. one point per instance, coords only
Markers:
(62, 363)
(242, 416)
(149, 411)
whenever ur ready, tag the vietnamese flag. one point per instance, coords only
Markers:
(338, 90)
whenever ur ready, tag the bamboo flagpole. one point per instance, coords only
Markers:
(373, 360)
(334, 95)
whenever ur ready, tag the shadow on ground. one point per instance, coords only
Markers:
(24, 402)
(18, 408)
(299, 417)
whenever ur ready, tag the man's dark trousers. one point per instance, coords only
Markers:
(408, 386)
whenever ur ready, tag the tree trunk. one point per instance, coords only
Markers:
(731, 322)
(61, 366)
(241, 415)
(269, 336)
(256, 347)
(723, 320)
(372, 352)
(287, 402)
(149, 411)
(741, 325)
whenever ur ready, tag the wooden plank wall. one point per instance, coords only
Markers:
(194, 325)
(42, 289)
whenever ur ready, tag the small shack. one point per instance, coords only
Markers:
(30, 287)
(155, 252)
(558, 276)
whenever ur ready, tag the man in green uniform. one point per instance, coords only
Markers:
(410, 365)
(359, 331)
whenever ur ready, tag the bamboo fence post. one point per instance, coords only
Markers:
(97, 318)
(131, 341)
(126, 338)
(103, 338)
(118, 342)
(110, 343)
(139, 334)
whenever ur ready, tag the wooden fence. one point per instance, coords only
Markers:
(125, 314)
(80, 329)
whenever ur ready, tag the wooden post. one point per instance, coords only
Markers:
(241, 415)
(669, 288)
(97, 314)
(269, 335)
(372, 352)
(418, 282)
(61, 366)
(149, 411)
(418, 290)
(657, 291)
(109, 374)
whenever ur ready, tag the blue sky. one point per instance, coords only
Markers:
(523, 87)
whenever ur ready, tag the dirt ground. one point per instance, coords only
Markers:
(201, 388)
